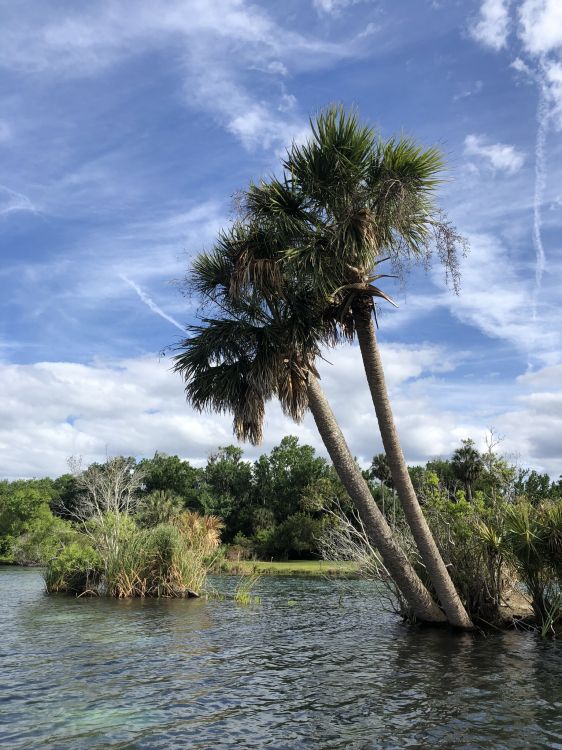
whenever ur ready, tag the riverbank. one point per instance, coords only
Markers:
(307, 568)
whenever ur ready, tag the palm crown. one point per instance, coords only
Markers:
(346, 197)
(255, 346)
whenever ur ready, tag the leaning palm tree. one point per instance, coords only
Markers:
(260, 347)
(345, 199)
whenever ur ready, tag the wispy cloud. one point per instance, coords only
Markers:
(500, 156)
(219, 45)
(335, 7)
(12, 201)
(470, 91)
(540, 32)
(540, 183)
(149, 302)
(496, 302)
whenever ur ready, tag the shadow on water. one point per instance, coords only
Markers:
(305, 669)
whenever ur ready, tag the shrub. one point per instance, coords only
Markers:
(156, 562)
(470, 537)
(42, 539)
(533, 540)
(77, 569)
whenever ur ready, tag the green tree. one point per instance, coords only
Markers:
(260, 345)
(173, 475)
(345, 198)
(226, 489)
(24, 505)
(282, 478)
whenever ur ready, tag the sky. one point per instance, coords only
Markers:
(126, 128)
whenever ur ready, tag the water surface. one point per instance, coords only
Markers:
(317, 665)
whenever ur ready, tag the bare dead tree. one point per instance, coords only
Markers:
(107, 495)
(111, 487)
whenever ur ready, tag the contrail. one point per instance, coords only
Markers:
(150, 303)
(540, 184)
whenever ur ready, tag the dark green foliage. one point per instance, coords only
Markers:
(174, 475)
(24, 504)
(295, 538)
(226, 489)
(160, 506)
(66, 496)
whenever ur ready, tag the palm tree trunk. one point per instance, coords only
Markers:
(436, 568)
(404, 576)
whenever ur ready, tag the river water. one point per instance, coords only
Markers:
(316, 665)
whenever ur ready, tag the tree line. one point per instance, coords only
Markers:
(276, 507)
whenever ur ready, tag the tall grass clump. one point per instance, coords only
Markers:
(112, 556)
(243, 593)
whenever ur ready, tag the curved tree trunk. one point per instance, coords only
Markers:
(436, 568)
(404, 576)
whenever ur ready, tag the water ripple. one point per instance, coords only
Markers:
(317, 665)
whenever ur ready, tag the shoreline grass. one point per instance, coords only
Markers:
(306, 568)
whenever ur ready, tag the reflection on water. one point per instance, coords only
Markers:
(302, 670)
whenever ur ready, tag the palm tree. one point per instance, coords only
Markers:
(344, 199)
(261, 347)
(467, 465)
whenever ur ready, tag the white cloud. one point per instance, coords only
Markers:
(541, 25)
(521, 67)
(277, 67)
(51, 410)
(470, 91)
(553, 90)
(149, 302)
(334, 7)
(493, 24)
(499, 156)
(288, 102)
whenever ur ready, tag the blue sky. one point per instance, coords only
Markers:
(126, 128)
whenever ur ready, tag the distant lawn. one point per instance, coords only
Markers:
(342, 569)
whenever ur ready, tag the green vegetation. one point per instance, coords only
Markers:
(244, 591)
(504, 543)
(281, 513)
